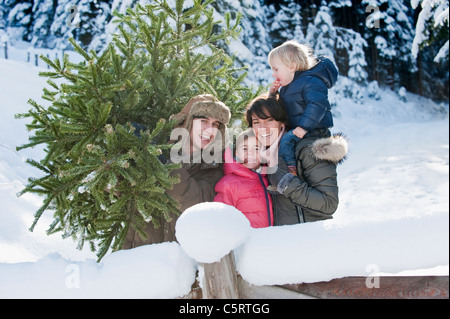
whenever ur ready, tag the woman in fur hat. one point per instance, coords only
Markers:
(313, 194)
(204, 120)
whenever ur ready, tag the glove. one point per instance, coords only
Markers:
(284, 182)
(280, 179)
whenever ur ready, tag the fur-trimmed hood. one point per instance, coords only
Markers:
(333, 149)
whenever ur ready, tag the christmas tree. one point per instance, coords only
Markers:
(104, 130)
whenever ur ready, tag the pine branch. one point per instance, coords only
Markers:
(102, 176)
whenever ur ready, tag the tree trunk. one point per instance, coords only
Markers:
(419, 74)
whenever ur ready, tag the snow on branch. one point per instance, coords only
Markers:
(435, 11)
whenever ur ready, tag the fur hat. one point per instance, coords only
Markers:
(204, 105)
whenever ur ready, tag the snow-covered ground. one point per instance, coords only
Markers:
(393, 216)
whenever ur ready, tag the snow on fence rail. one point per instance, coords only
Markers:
(310, 253)
(236, 259)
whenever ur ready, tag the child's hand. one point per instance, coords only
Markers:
(299, 132)
(275, 86)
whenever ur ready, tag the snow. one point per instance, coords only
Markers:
(321, 252)
(393, 216)
(209, 231)
(124, 274)
(437, 10)
(442, 54)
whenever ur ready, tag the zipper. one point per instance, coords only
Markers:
(300, 216)
(275, 208)
(267, 198)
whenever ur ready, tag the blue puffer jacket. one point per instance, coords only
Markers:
(306, 97)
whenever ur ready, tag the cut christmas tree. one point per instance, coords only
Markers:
(105, 131)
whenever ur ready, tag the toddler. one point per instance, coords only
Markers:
(304, 82)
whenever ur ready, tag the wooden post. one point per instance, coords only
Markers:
(221, 279)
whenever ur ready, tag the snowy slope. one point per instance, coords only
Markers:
(20, 82)
(394, 210)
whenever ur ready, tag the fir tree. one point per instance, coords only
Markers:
(287, 23)
(432, 25)
(354, 45)
(321, 34)
(18, 14)
(104, 130)
(92, 19)
(351, 57)
(43, 11)
(83, 20)
(389, 41)
(256, 37)
(63, 25)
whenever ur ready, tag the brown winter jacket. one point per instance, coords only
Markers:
(197, 178)
(196, 185)
(313, 194)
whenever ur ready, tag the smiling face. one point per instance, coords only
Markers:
(266, 130)
(247, 153)
(203, 132)
(267, 117)
(281, 72)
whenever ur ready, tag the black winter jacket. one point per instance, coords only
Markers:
(306, 97)
(313, 194)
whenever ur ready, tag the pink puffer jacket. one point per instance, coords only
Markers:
(246, 190)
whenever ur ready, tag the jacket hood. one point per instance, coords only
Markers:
(325, 70)
(333, 148)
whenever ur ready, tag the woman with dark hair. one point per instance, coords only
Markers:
(312, 195)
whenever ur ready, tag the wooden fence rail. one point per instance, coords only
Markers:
(223, 282)
(391, 287)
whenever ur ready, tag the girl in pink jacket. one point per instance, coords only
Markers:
(243, 186)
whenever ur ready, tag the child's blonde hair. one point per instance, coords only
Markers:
(294, 55)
